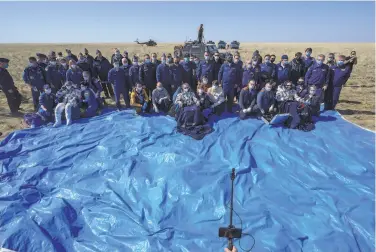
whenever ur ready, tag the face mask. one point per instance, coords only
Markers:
(117, 53)
(250, 86)
(249, 66)
(169, 60)
(268, 88)
(330, 59)
(254, 63)
(138, 89)
(83, 88)
(216, 57)
(272, 60)
(64, 64)
(200, 91)
(206, 57)
(185, 89)
(163, 61)
(147, 60)
(312, 92)
(319, 62)
(186, 60)
(86, 78)
(116, 66)
(340, 63)
(48, 91)
(74, 66)
(236, 61)
(288, 87)
(135, 63)
(267, 61)
(154, 59)
(159, 88)
(285, 63)
(196, 61)
(192, 59)
(53, 63)
(308, 54)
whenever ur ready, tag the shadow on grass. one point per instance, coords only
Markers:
(355, 112)
(349, 102)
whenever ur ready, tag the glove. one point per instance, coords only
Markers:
(262, 111)
(156, 109)
(198, 103)
(248, 110)
(245, 110)
(325, 87)
(271, 108)
(160, 100)
(34, 89)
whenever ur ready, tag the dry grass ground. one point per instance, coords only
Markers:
(357, 102)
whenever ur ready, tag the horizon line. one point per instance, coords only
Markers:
(128, 42)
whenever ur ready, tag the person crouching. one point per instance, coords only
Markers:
(248, 101)
(90, 102)
(161, 99)
(46, 104)
(140, 100)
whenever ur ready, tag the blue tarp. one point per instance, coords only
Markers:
(120, 182)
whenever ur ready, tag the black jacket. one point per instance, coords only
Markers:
(247, 99)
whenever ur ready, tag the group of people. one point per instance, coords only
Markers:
(72, 86)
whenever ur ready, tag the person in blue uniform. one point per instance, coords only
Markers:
(148, 74)
(119, 78)
(267, 69)
(63, 68)
(177, 72)
(308, 59)
(53, 75)
(228, 75)
(74, 73)
(188, 74)
(47, 104)
(70, 56)
(252, 71)
(164, 76)
(89, 58)
(206, 69)
(84, 64)
(90, 103)
(8, 88)
(101, 67)
(248, 101)
(42, 60)
(155, 60)
(338, 78)
(283, 70)
(134, 72)
(318, 75)
(35, 77)
(125, 55)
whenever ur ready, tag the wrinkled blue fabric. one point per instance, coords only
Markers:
(120, 182)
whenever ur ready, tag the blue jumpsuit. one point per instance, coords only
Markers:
(36, 77)
(339, 77)
(148, 76)
(177, 72)
(318, 76)
(164, 76)
(206, 69)
(63, 72)
(134, 74)
(75, 76)
(228, 75)
(54, 77)
(48, 101)
(283, 73)
(122, 85)
(91, 102)
(188, 76)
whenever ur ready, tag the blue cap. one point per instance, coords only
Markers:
(284, 57)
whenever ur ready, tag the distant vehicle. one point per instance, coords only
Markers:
(148, 43)
(221, 44)
(234, 45)
(197, 47)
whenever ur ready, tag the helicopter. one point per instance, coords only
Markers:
(147, 43)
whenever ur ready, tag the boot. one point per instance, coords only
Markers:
(57, 119)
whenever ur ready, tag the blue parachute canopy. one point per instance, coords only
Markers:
(120, 182)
